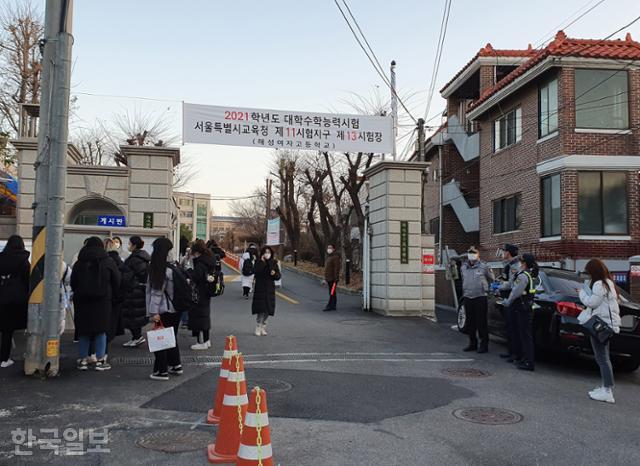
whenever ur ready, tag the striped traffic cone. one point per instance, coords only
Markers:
(255, 445)
(234, 409)
(230, 348)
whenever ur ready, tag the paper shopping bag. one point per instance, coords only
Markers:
(161, 339)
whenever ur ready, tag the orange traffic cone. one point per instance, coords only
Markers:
(230, 348)
(234, 408)
(255, 445)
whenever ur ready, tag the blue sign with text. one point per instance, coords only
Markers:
(112, 221)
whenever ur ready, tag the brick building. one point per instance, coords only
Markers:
(542, 149)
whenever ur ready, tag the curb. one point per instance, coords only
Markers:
(343, 289)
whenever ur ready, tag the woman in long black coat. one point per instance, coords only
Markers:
(204, 266)
(134, 279)
(267, 273)
(93, 281)
(14, 294)
(115, 326)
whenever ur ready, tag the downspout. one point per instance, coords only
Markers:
(441, 221)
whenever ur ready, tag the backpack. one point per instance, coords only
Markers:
(185, 293)
(90, 280)
(248, 267)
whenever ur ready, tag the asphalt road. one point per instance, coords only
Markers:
(344, 388)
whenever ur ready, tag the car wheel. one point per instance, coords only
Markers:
(462, 319)
(625, 364)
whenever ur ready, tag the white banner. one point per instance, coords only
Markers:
(279, 129)
(273, 232)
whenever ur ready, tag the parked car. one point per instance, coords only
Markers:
(556, 327)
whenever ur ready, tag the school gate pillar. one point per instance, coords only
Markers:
(402, 280)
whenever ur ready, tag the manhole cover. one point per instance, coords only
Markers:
(357, 322)
(175, 441)
(269, 385)
(465, 372)
(488, 416)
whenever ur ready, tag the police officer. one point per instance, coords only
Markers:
(520, 300)
(476, 276)
(511, 268)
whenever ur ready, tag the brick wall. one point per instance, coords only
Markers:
(513, 171)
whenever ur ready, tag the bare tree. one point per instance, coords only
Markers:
(288, 170)
(93, 144)
(252, 211)
(21, 28)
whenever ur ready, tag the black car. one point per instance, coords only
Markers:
(555, 322)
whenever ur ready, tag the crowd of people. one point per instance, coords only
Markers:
(516, 288)
(107, 296)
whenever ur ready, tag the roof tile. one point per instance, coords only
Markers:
(563, 46)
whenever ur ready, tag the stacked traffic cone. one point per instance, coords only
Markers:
(234, 409)
(255, 445)
(230, 349)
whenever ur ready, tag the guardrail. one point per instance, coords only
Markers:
(232, 260)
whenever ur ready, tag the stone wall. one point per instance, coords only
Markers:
(395, 196)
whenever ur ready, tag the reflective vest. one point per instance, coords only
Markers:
(530, 290)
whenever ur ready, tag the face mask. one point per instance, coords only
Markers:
(472, 257)
(267, 255)
(329, 251)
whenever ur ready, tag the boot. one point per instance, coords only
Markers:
(472, 346)
(258, 331)
(483, 348)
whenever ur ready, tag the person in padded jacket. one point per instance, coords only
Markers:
(204, 266)
(14, 294)
(134, 312)
(94, 279)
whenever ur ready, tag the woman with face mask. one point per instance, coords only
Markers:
(134, 311)
(267, 273)
(332, 276)
(601, 299)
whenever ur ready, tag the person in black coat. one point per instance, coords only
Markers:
(14, 294)
(204, 266)
(267, 273)
(94, 280)
(115, 326)
(134, 279)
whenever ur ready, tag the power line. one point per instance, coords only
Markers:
(371, 60)
(126, 97)
(438, 56)
(550, 34)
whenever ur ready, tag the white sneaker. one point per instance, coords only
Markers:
(92, 359)
(7, 363)
(139, 341)
(258, 331)
(263, 330)
(200, 346)
(208, 343)
(596, 390)
(129, 344)
(604, 394)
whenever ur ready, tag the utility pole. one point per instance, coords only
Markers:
(57, 24)
(44, 345)
(421, 153)
(268, 212)
(394, 108)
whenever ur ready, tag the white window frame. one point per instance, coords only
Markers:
(496, 129)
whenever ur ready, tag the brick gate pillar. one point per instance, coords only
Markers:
(398, 285)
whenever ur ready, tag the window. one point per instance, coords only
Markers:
(548, 108)
(507, 129)
(551, 212)
(602, 199)
(187, 213)
(602, 99)
(506, 214)
(434, 228)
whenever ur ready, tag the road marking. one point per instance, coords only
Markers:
(286, 298)
(231, 278)
(290, 361)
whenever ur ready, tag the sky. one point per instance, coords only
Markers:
(290, 55)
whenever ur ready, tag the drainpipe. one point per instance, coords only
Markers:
(440, 204)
